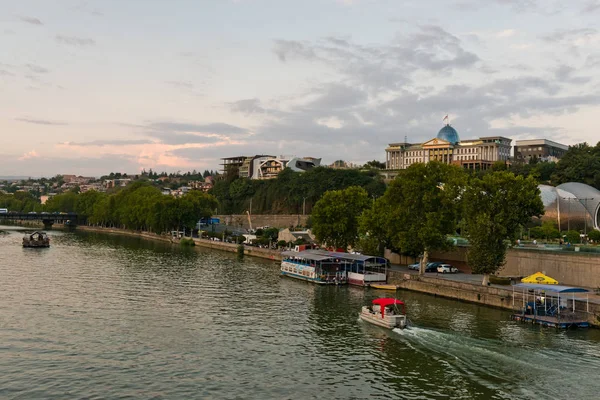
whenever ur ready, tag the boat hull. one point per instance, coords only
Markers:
(358, 279)
(306, 273)
(388, 322)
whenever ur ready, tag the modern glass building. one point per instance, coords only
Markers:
(572, 206)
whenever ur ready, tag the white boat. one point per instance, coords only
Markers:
(313, 267)
(385, 312)
(362, 270)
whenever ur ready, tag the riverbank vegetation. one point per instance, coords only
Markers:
(428, 202)
(138, 206)
(290, 192)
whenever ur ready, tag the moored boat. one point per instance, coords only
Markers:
(313, 267)
(361, 269)
(36, 239)
(385, 312)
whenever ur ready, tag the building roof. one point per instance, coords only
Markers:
(551, 288)
(540, 142)
(448, 134)
(307, 255)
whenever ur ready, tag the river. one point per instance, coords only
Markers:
(111, 317)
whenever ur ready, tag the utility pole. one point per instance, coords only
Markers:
(304, 206)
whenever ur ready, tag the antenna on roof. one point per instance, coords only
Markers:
(405, 139)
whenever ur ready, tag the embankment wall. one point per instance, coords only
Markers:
(484, 295)
(276, 221)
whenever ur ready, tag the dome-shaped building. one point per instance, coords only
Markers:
(572, 205)
(448, 134)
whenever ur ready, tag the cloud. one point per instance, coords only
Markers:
(101, 143)
(181, 127)
(36, 69)
(247, 106)
(181, 84)
(31, 20)
(429, 48)
(590, 7)
(506, 33)
(574, 37)
(39, 121)
(29, 155)
(75, 41)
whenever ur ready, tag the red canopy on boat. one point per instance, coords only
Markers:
(387, 301)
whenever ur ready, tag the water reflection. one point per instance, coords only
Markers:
(101, 316)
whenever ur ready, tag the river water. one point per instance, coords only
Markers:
(108, 317)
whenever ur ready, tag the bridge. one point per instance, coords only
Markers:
(48, 219)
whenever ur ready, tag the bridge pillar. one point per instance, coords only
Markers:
(47, 224)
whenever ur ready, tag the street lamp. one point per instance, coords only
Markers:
(568, 212)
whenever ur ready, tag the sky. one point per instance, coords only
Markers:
(90, 87)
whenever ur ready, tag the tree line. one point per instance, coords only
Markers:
(138, 206)
(290, 192)
(425, 204)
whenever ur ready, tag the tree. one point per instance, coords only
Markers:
(375, 164)
(418, 210)
(495, 208)
(573, 237)
(581, 163)
(335, 216)
(594, 235)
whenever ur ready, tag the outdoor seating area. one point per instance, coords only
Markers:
(548, 304)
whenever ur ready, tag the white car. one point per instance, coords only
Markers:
(446, 269)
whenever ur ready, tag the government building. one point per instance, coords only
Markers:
(447, 147)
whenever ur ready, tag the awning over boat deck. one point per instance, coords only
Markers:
(550, 288)
(349, 256)
(307, 255)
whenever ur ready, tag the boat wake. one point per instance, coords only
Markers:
(497, 363)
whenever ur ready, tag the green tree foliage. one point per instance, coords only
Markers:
(20, 202)
(138, 206)
(594, 235)
(289, 191)
(495, 208)
(375, 164)
(573, 237)
(581, 163)
(335, 216)
(418, 210)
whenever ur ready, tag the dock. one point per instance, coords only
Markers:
(552, 322)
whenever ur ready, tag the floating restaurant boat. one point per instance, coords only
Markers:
(385, 312)
(549, 305)
(362, 270)
(313, 267)
(36, 239)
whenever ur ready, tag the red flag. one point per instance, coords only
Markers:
(445, 118)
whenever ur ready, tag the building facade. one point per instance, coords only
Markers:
(446, 147)
(266, 166)
(542, 149)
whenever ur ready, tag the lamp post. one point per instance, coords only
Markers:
(304, 206)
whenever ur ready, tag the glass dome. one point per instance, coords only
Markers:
(571, 205)
(448, 134)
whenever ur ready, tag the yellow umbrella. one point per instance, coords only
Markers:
(538, 277)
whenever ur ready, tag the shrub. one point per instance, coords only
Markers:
(187, 242)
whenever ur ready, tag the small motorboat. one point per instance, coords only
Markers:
(383, 286)
(385, 312)
(36, 239)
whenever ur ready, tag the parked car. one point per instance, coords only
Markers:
(414, 266)
(446, 269)
(432, 266)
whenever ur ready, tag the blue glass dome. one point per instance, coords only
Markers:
(449, 134)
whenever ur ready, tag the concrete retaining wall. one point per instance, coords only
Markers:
(275, 221)
(484, 295)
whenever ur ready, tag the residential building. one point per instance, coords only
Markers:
(267, 166)
(447, 147)
(542, 149)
